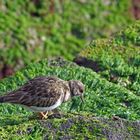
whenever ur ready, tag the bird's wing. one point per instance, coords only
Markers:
(40, 92)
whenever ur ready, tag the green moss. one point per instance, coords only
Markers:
(75, 128)
(118, 58)
(102, 98)
(19, 127)
(80, 126)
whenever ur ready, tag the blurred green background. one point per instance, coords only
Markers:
(34, 29)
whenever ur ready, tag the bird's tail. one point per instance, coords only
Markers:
(10, 98)
(7, 98)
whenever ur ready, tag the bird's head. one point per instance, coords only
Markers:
(76, 88)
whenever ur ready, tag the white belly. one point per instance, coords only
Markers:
(43, 109)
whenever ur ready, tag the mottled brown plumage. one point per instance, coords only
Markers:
(43, 94)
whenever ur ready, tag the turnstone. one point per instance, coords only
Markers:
(43, 94)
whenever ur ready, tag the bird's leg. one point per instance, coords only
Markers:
(50, 113)
(46, 114)
(43, 115)
(57, 113)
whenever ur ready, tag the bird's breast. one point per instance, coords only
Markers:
(67, 96)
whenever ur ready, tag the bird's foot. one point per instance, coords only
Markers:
(43, 115)
(56, 114)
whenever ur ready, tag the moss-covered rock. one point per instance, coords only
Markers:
(102, 99)
(89, 127)
(71, 126)
(116, 59)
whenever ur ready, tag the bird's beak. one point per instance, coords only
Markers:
(82, 98)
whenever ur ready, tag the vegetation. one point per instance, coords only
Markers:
(102, 98)
(68, 127)
(118, 58)
(34, 31)
(31, 30)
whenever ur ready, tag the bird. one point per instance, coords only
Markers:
(44, 93)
